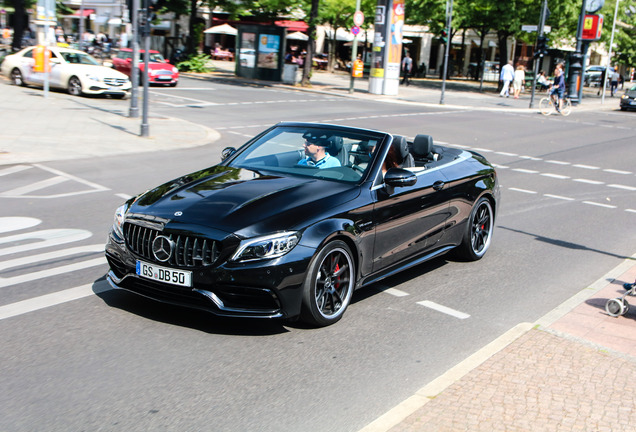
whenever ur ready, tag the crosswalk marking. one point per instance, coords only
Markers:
(35, 186)
(33, 259)
(17, 223)
(5, 282)
(47, 238)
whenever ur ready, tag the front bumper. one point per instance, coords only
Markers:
(100, 88)
(260, 289)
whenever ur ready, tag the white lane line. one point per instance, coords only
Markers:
(13, 170)
(124, 196)
(617, 186)
(615, 171)
(594, 182)
(32, 259)
(483, 150)
(444, 309)
(599, 204)
(555, 176)
(556, 162)
(630, 210)
(588, 167)
(202, 102)
(17, 223)
(47, 238)
(395, 292)
(5, 282)
(500, 166)
(525, 171)
(506, 154)
(34, 186)
(530, 158)
(559, 197)
(522, 190)
(41, 302)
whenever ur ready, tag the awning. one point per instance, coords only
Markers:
(87, 12)
(297, 36)
(222, 29)
(299, 26)
(115, 22)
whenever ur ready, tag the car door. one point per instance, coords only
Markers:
(57, 66)
(409, 220)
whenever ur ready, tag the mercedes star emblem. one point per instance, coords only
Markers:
(162, 248)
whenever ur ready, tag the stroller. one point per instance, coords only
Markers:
(619, 306)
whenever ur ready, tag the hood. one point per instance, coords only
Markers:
(101, 71)
(160, 66)
(243, 201)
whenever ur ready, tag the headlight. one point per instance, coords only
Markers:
(624, 97)
(175, 70)
(267, 247)
(118, 223)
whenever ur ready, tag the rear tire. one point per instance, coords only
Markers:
(329, 284)
(478, 233)
(16, 77)
(567, 107)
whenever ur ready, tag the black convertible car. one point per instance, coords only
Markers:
(295, 220)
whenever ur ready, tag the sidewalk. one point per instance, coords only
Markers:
(574, 369)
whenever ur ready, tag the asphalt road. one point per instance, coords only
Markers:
(112, 361)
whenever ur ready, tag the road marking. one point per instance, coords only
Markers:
(17, 223)
(72, 177)
(32, 259)
(599, 204)
(589, 167)
(557, 162)
(5, 282)
(555, 176)
(444, 309)
(500, 166)
(558, 197)
(51, 237)
(594, 182)
(21, 191)
(13, 170)
(630, 210)
(522, 190)
(615, 171)
(617, 186)
(506, 154)
(124, 196)
(395, 292)
(44, 301)
(531, 158)
(525, 171)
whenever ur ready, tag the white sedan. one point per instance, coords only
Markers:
(72, 70)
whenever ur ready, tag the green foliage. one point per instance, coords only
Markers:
(195, 63)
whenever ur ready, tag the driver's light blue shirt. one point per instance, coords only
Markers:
(327, 162)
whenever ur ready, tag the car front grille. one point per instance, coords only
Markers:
(163, 72)
(187, 251)
(115, 82)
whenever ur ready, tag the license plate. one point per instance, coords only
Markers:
(164, 274)
(164, 78)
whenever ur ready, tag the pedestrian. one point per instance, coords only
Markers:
(602, 83)
(614, 81)
(407, 67)
(506, 76)
(519, 80)
(543, 81)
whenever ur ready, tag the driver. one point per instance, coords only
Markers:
(316, 152)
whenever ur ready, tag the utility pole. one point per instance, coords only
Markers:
(146, 34)
(134, 67)
(576, 65)
(449, 19)
(538, 59)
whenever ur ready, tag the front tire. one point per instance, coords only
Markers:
(16, 77)
(75, 86)
(329, 284)
(545, 106)
(479, 231)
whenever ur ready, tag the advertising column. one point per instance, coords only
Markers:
(387, 47)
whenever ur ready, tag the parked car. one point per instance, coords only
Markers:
(628, 99)
(262, 235)
(72, 70)
(160, 71)
(593, 75)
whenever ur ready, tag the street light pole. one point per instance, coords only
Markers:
(449, 19)
(134, 70)
(354, 51)
(538, 59)
(609, 55)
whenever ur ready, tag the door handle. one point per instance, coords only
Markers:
(438, 185)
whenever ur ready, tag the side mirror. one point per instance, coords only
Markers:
(55, 60)
(128, 60)
(398, 177)
(227, 152)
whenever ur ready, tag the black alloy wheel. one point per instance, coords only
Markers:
(74, 86)
(478, 233)
(16, 77)
(329, 284)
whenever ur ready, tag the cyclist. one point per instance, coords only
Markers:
(558, 88)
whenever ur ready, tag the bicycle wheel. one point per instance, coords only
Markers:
(567, 107)
(545, 106)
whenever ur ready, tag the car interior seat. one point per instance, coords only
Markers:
(401, 146)
(423, 150)
(337, 149)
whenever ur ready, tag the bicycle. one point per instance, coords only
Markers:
(547, 105)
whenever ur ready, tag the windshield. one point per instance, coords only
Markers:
(78, 58)
(312, 152)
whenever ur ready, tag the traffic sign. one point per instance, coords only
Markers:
(355, 30)
(358, 18)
